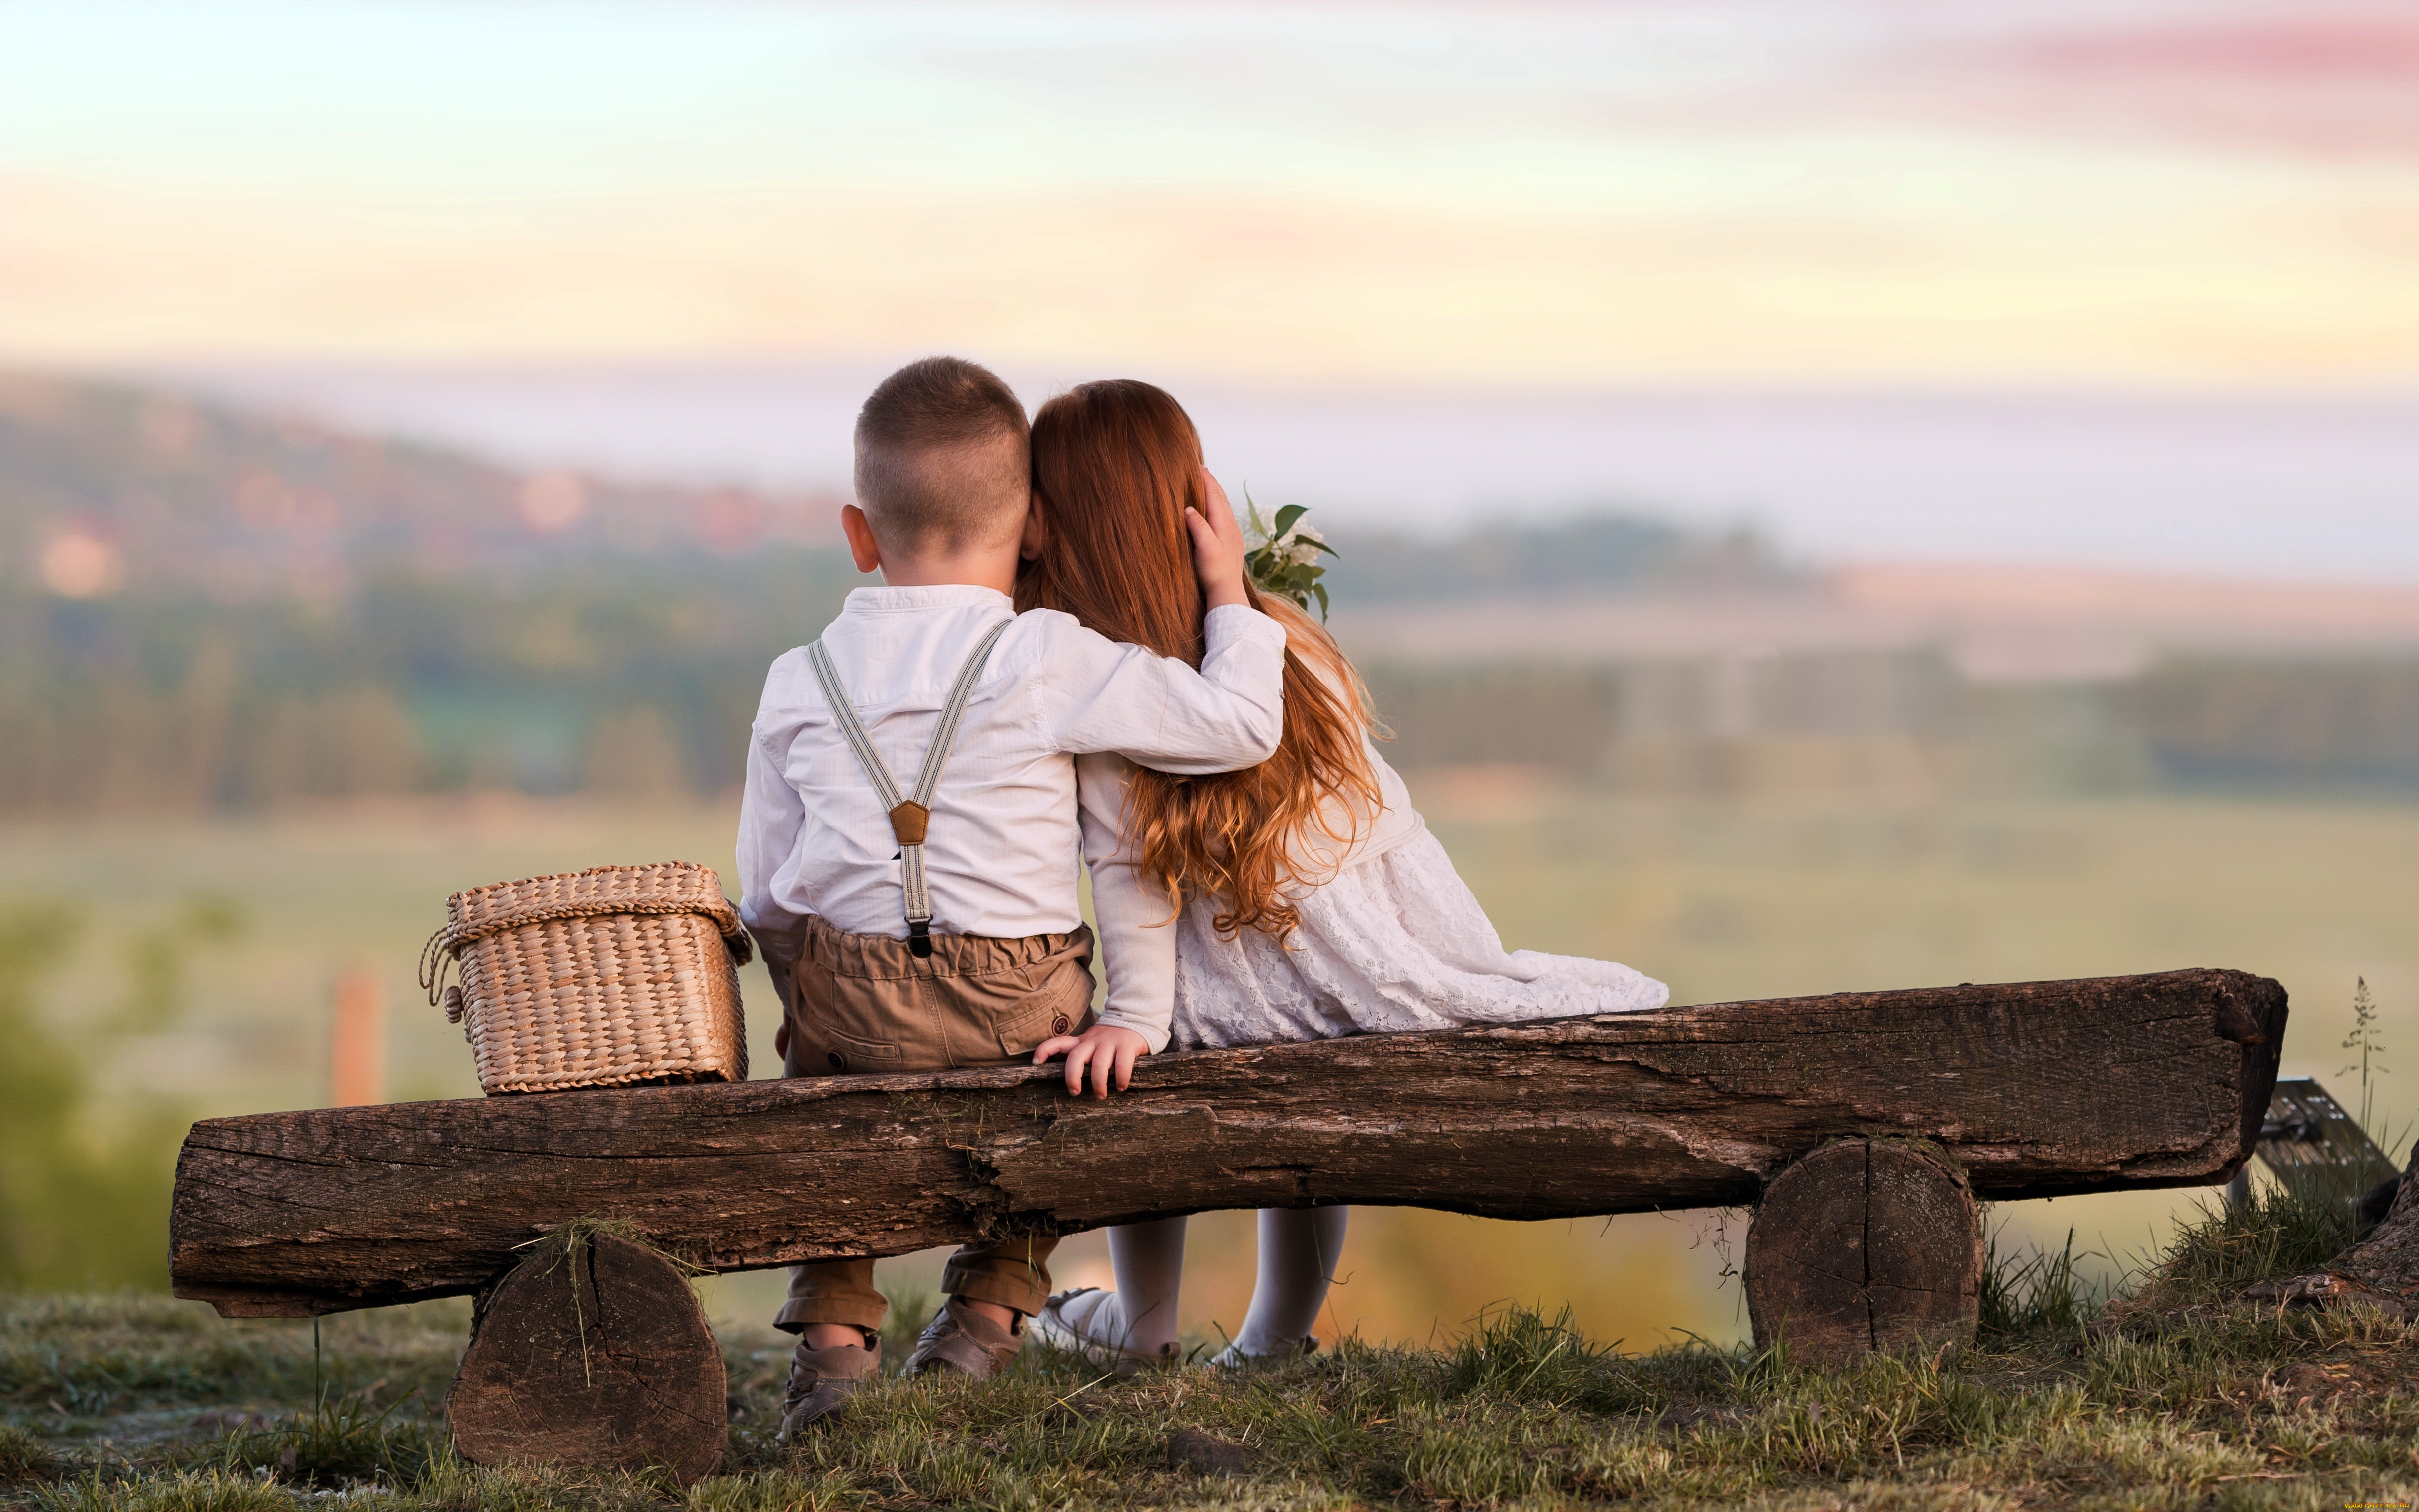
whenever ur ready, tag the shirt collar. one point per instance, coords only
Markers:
(907, 600)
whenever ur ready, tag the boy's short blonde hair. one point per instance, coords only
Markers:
(942, 458)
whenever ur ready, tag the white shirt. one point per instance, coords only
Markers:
(1001, 851)
(1136, 917)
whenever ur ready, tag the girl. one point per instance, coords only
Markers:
(1300, 900)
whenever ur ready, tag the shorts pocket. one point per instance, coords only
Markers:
(846, 1025)
(847, 1055)
(1060, 1004)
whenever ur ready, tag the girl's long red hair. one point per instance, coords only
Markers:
(1116, 464)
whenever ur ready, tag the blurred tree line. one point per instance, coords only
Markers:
(2247, 723)
(1712, 725)
(624, 677)
(638, 680)
(1600, 547)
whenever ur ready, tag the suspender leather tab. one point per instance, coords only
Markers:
(908, 822)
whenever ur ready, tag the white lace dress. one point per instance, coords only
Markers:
(1393, 942)
(1391, 939)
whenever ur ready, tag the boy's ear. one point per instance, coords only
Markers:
(1037, 529)
(862, 547)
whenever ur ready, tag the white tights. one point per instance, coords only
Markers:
(1298, 1251)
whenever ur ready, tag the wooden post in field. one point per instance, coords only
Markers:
(357, 1042)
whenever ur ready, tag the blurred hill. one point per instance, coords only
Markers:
(203, 607)
(119, 487)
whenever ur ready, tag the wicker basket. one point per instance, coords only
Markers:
(601, 978)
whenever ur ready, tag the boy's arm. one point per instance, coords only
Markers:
(1098, 695)
(770, 817)
(1228, 715)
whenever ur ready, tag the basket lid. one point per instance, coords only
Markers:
(663, 888)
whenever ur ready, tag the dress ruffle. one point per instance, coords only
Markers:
(1392, 942)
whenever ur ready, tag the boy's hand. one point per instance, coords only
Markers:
(1217, 545)
(1106, 1049)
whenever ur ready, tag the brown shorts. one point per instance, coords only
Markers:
(864, 1003)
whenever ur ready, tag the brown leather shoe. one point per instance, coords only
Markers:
(958, 1338)
(823, 1381)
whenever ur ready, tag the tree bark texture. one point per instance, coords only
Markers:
(2385, 1263)
(2381, 1271)
(1865, 1244)
(597, 1354)
(2037, 1088)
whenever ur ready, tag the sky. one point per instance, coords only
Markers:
(2219, 194)
(2128, 282)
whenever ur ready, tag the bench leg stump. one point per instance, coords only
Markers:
(1865, 1244)
(593, 1354)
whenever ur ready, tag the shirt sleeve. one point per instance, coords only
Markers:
(771, 814)
(1098, 695)
(1134, 912)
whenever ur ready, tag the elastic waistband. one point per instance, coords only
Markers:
(884, 957)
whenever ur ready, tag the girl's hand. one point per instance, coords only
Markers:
(1217, 545)
(1107, 1050)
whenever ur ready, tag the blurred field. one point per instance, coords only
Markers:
(1722, 900)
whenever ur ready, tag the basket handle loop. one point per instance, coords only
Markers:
(436, 964)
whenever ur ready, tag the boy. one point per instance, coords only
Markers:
(908, 836)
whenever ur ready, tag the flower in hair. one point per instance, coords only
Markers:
(1283, 556)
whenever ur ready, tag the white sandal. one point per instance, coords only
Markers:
(1052, 1326)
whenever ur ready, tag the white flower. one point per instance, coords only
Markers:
(1300, 544)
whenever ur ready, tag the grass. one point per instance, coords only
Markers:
(2280, 1231)
(2037, 1292)
(339, 1442)
(142, 1405)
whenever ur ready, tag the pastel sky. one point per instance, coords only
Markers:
(2217, 192)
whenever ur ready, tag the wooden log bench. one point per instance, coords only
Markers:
(1865, 1124)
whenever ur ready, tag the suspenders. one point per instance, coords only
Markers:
(909, 812)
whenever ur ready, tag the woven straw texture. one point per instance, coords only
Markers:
(601, 978)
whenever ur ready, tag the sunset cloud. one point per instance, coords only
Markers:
(2299, 80)
(1740, 189)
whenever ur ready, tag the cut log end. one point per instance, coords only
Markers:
(593, 1355)
(1865, 1244)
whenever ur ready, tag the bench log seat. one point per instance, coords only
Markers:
(2027, 1090)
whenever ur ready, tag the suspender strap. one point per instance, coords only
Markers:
(910, 813)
